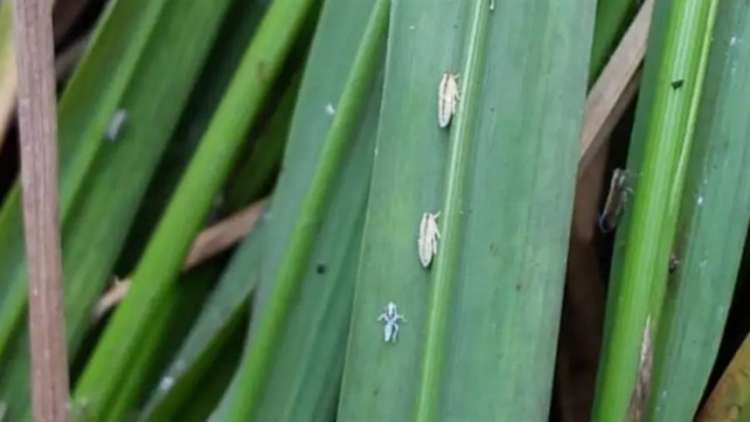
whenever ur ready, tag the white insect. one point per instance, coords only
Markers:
(116, 124)
(492, 5)
(427, 243)
(390, 318)
(448, 97)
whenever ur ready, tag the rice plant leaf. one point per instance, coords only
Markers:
(97, 224)
(213, 384)
(257, 172)
(713, 221)
(665, 124)
(224, 310)
(236, 30)
(153, 280)
(612, 17)
(176, 316)
(86, 108)
(479, 338)
(303, 310)
(221, 313)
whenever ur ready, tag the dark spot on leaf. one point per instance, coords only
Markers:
(674, 263)
(518, 287)
(321, 268)
(677, 84)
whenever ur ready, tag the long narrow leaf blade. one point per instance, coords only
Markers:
(714, 216)
(479, 338)
(101, 217)
(665, 120)
(154, 277)
(286, 286)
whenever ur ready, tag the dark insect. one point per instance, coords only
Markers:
(617, 197)
(674, 263)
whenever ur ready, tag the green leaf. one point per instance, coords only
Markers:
(480, 333)
(713, 222)
(176, 316)
(154, 278)
(257, 172)
(612, 17)
(221, 314)
(665, 121)
(305, 307)
(92, 96)
(96, 225)
(235, 33)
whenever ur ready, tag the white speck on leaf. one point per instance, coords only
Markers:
(166, 383)
(330, 110)
(116, 123)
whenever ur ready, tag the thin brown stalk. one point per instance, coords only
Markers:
(222, 235)
(38, 135)
(615, 87)
(209, 243)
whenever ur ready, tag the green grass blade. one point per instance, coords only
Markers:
(713, 222)
(446, 267)
(101, 217)
(236, 30)
(612, 17)
(229, 300)
(85, 109)
(154, 277)
(667, 110)
(254, 371)
(505, 170)
(218, 317)
(257, 172)
(304, 374)
(212, 386)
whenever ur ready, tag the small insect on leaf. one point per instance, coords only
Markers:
(448, 97)
(427, 243)
(115, 124)
(390, 319)
(617, 197)
(674, 263)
